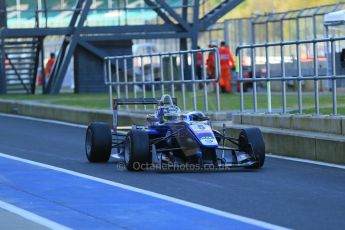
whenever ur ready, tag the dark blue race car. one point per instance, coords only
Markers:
(172, 140)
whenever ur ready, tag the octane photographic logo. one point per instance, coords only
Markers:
(172, 167)
(208, 140)
(198, 128)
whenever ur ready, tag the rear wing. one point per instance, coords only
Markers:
(166, 99)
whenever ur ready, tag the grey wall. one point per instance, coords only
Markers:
(88, 68)
(3, 13)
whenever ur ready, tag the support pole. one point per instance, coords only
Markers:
(68, 47)
(3, 23)
(195, 29)
(2, 66)
(3, 16)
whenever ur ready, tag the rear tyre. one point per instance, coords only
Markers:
(98, 142)
(252, 142)
(137, 150)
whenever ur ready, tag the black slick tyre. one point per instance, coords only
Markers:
(98, 142)
(252, 142)
(137, 150)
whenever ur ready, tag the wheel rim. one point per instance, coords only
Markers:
(127, 150)
(88, 142)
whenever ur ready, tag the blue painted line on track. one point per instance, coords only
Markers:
(80, 203)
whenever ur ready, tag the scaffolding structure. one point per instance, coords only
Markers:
(82, 22)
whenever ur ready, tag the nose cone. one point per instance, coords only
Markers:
(204, 135)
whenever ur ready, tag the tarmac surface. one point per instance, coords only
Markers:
(284, 193)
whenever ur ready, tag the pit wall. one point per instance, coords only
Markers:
(67, 113)
(321, 123)
(320, 138)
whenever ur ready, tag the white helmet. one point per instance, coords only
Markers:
(172, 112)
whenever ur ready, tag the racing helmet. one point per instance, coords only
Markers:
(172, 113)
(197, 116)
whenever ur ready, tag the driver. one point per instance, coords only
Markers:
(171, 113)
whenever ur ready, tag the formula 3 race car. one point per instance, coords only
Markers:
(172, 140)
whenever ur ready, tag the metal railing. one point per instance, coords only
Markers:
(331, 73)
(131, 75)
(300, 24)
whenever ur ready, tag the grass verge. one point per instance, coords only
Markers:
(227, 101)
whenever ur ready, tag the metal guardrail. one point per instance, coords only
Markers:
(272, 27)
(331, 74)
(180, 66)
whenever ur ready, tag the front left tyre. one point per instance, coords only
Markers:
(252, 142)
(98, 142)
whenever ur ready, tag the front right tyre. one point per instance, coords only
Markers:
(137, 150)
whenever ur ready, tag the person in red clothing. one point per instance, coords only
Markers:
(227, 62)
(210, 63)
(211, 70)
(49, 66)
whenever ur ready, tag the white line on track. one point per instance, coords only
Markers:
(306, 161)
(32, 216)
(152, 194)
(85, 126)
(43, 120)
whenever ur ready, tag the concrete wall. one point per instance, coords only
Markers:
(319, 138)
(67, 114)
(324, 124)
(89, 69)
(300, 144)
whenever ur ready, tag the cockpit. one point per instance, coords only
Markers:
(168, 111)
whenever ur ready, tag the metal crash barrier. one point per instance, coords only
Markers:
(328, 47)
(152, 75)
